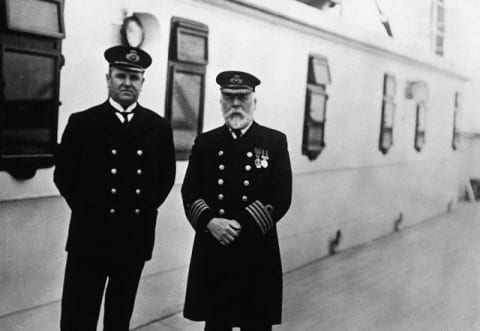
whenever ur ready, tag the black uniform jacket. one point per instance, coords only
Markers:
(248, 179)
(114, 176)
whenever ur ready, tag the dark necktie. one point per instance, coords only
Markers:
(237, 133)
(125, 116)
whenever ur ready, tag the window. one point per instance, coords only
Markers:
(29, 104)
(418, 91)
(42, 17)
(438, 26)
(456, 120)
(30, 62)
(420, 125)
(188, 58)
(315, 106)
(388, 113)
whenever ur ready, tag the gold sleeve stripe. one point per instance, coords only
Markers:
(258, 218)
(261, 216)
(196, 209)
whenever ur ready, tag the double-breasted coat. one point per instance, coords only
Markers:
(114, 176)
(248, 179)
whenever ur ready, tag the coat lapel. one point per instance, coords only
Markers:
(104, 125)
(241, 146)
(139, 125)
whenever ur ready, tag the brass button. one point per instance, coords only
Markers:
(220, 153)
(114, 152)
(244, 198)
(139, 171)
(221, 167)
(113, 190)
(246, 183)
(248, 167)
(220, 181)
(137, 211)
(139, 152)
(112, 211)
(138, 191)
(249, 154)
(220, 197)
(113, 171)
(221, 211)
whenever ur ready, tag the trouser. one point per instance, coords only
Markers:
(220, 326)
(83, 288)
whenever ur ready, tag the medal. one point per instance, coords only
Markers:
(261, 158)
(258, 161)
(265, 158)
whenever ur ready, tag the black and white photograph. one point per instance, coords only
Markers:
(239, 165)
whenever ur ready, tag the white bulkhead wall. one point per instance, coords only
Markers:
(83, 76)
(351, 185)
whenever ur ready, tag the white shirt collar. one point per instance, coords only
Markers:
(119, 107)
(245, 129)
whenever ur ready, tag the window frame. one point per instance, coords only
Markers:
(183, 153)
(387, 100)
(313, 147)
(58, 35)
(194, 65)
(437, 27)
(23, 160)
(53, 101)
(421, 111)
(456, 137)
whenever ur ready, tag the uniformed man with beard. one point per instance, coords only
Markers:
(115, 166)
(237, 186)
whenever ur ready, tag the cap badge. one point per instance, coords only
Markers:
(132, 56)
(236, 80)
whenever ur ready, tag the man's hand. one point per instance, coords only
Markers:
(224, 230)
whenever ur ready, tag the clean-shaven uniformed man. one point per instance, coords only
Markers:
(238, 185)
(115, 166)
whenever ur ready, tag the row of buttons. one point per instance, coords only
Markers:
(114, 171)
(139, 152)
(220, 181)
(248, 167)
(249, 154)
(114, 191)
(113, 211)
(221, 196)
